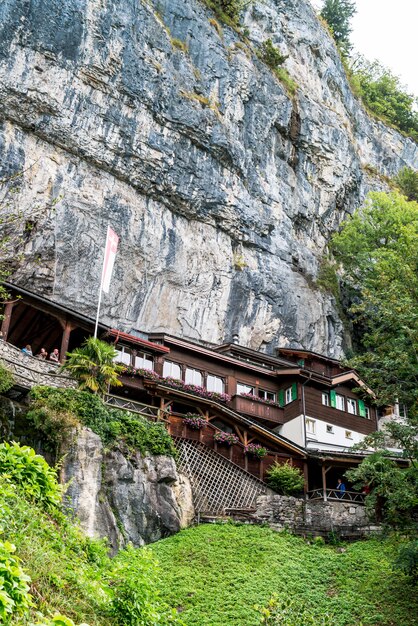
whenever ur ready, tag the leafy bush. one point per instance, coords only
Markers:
(228, 10)
(407, 559)
(271, 55)
(14, 589)
(6, 379)
(285, 479)
(291, 613)
(136, 599)
(54, 409)
(407, 181)
(22, 466)
(384, 95)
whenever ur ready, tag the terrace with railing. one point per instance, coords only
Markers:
(29, 371)
(335, 494)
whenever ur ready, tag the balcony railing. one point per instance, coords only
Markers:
(335, 494)
(29, 371)
(260, 410)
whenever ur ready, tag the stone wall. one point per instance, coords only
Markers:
(348, 519)
(29, 371)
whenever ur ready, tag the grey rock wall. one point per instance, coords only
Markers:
(348, 519)
(137, 500)
(223, 188)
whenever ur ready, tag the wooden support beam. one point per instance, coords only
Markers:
(306, 476)
(324, 483)
(69, 326)
(6, 320)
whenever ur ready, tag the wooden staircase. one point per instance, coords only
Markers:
(218, 484)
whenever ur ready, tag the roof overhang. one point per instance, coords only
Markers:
(138, 341)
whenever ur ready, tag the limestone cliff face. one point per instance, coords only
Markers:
(223, 189)
(137, 500)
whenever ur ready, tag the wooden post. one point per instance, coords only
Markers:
(6, 320)
(68, 327)
(306, 476)
(324, 482)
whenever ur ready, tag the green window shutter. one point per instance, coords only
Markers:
(333, 398)
(281, 397)
(294, 391)
(361, 408)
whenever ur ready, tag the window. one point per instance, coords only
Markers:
(171, 369)
(288, 395)
(215, 383)
(367, 412)
(123, 355)
(310, 426)
(267, 395)
(193, 377)
(242, 388)
(348, 434)
(351, 406)
(144, 361)
(330, 429)
(325, 399)
(340, 404)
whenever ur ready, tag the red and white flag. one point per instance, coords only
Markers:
(112, 241)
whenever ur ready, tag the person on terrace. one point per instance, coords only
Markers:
(55, 355)
(27, 350)
(43, 354)
(340, 488)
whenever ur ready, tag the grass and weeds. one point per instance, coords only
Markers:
(48, 567)
(216, 574)
(56, 412)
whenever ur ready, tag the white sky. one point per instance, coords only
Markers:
(386, 30)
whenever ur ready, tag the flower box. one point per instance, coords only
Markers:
(255, 450)
(195, 422)
(227, 439)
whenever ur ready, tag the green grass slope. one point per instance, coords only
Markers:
(215, 574)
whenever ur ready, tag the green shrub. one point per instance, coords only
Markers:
(36, 479)
(136, 599)
(284, 77)
(407, 560)
(407, 181)
(384, 95)
(56, 411)
(228, 10)
(285, 479)
(6, 378)
(271, 55)
(15, 599)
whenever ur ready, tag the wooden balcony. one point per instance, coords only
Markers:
(270, 414)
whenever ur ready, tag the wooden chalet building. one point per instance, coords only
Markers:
(301, 406)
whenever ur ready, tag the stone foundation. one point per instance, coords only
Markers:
(347, 519)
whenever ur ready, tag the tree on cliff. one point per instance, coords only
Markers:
(378, 251)
(338, 14)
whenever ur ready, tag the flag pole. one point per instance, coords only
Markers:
(101, 286)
